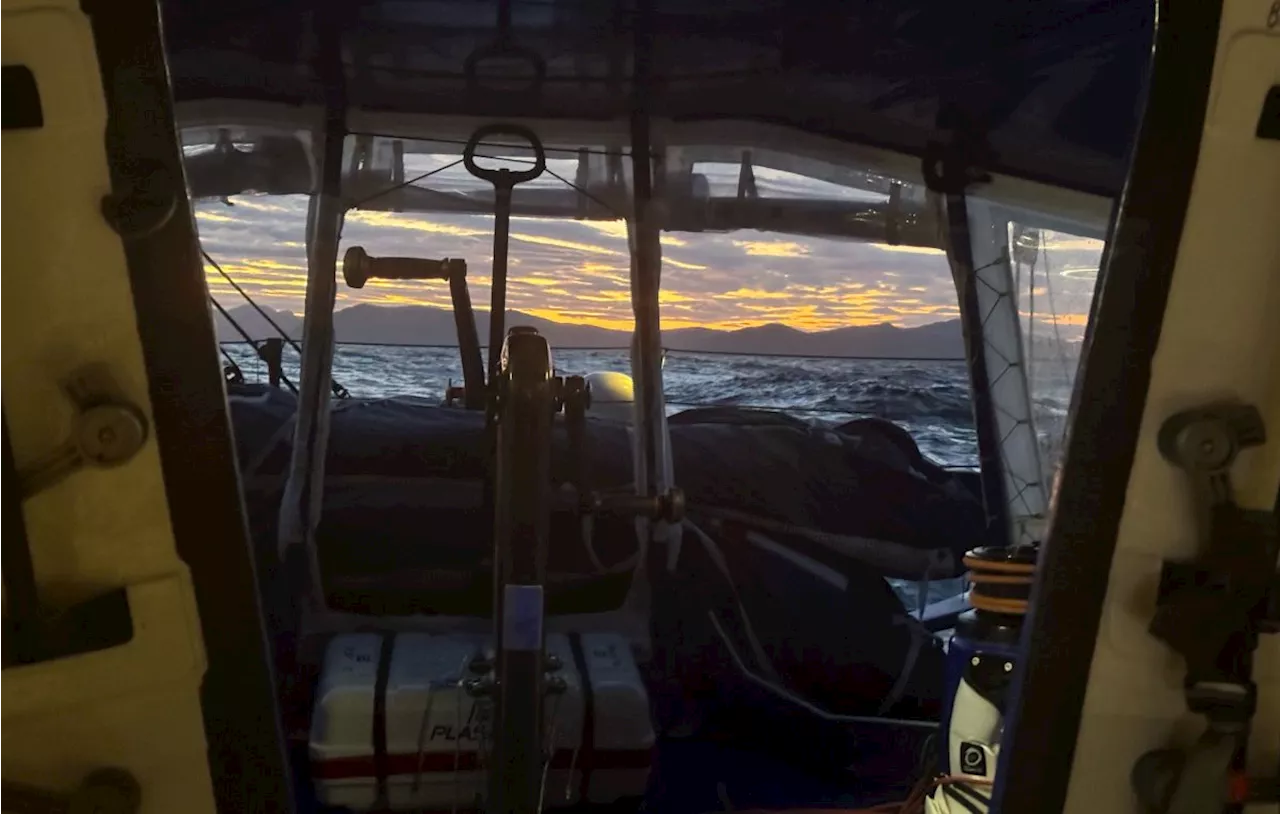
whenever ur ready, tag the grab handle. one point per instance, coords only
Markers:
(504, 178)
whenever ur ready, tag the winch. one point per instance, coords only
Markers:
(981, 658)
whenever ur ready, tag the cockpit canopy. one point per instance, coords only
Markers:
(1047, 92)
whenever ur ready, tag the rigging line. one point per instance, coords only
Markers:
(1053, 311)
(584, 193)
(338, 390)
(401, 185)
(461, 196)
(247, 339)
(444, 193)
(804, 703)
(573, 151)
(1030, 353)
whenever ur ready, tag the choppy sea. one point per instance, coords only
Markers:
(929, 399)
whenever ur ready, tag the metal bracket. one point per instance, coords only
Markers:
(573, 396)
(108, 432)
(1206, 604)
(1211, 610)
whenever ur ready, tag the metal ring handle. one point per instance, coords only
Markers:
(499, 49)
(504, 177)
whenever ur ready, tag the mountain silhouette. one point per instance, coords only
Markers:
(426, 325)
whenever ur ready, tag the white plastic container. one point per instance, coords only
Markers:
(436, 735)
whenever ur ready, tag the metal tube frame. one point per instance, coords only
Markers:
(302, 503)
(646, 269)
(526, 394)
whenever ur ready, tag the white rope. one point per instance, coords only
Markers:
(804, 704)
(717, 557)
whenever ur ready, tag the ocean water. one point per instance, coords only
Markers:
(929, 399)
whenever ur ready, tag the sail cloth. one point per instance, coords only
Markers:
(1053, 88)
(403, 488)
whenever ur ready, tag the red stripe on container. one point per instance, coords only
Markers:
(349, 768)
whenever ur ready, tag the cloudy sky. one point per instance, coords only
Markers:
(577, 271)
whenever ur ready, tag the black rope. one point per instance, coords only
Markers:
(511, 159)
(249, 300)
(338, 390)
(247, 340)
(233, 322)
(585, 193)
(429, 140)
(403, 184)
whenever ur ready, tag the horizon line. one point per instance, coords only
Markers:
(588, 324)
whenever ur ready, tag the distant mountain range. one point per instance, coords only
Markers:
(426, 325)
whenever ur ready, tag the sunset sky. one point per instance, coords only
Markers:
(577, 271)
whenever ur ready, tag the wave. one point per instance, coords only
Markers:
(930, 399)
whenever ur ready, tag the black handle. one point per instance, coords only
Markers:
(358, 268)
(504, 178)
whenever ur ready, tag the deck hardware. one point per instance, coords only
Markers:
(145, 207)
(504, 49)
(504, 181)
(1211, 610)
(358, 268)
(108, 431)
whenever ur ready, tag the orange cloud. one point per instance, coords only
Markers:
(1072, 320)
(611, 228)
(753, 294)
(582, 273)
(258, 205)
(214, 217)
(771, 248)
(566, 244)
(396, 221)
(885, 247)
(606, 296)
(543, 282)
(667, 261)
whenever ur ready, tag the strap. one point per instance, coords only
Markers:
(918, 635)
(587, 744)
(380, 720)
